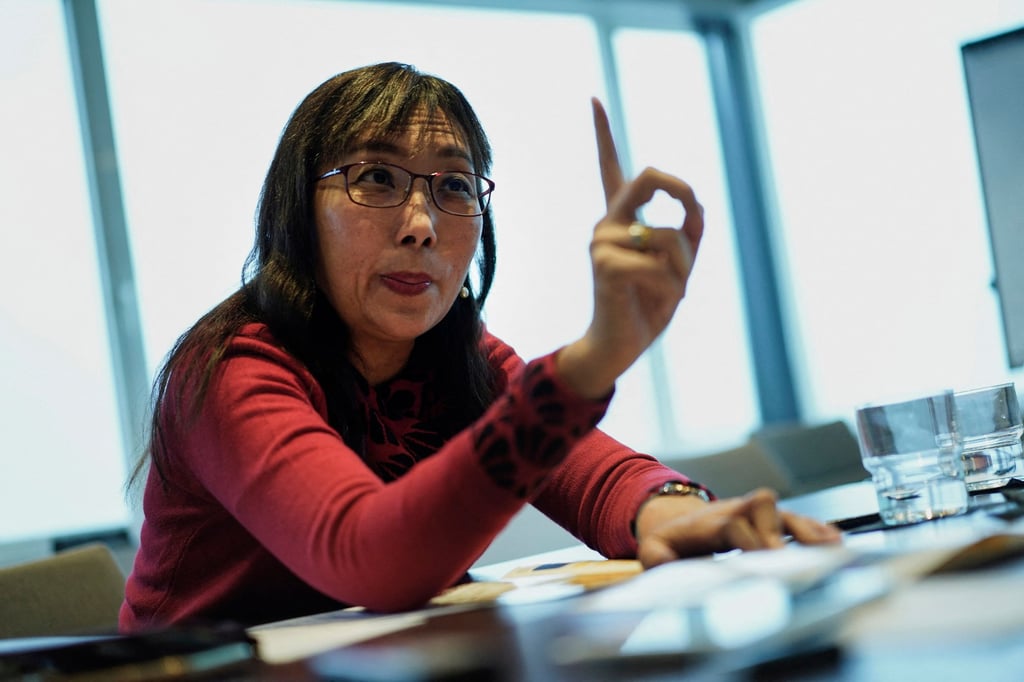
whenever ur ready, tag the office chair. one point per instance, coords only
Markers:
(736, 471)
(813, 457)
(76, 591)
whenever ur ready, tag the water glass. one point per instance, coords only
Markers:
(990, 425)
(913, 451)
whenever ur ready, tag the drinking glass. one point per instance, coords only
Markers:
(912, 450)
(990, 426)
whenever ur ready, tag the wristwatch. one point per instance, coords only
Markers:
(673, 488)
(680, 488)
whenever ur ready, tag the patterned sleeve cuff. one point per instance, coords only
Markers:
(590, 412)
(532, 427)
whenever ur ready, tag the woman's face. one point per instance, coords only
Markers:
(393, 273)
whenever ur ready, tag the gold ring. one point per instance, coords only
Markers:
(639, 234)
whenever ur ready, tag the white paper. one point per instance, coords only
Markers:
(286, 642)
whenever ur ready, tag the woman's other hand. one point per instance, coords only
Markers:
(670, 528)
(640, 273)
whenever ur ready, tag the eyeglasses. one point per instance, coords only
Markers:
(384, 185)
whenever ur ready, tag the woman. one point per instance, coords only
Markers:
(343, 431)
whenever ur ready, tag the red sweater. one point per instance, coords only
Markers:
(267, 514)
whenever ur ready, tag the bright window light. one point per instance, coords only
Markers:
(671, 125)
(881, 222)
(62, 461)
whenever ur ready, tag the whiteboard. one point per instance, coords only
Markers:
(994, 70)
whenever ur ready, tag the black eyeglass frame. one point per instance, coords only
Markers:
(483, 198)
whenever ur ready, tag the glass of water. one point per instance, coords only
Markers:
(913, 451)
(990, 425)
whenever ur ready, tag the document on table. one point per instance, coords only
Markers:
(303, 637)
(688, 582)
(957, 609)
(542, 582)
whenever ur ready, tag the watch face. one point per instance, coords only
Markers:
(678, 488)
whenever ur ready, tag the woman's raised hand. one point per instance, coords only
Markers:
(640, 272)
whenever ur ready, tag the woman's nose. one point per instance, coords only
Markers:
(419, 217)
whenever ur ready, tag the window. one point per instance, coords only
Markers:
(880, 217)
(62, 459)
(703, 360)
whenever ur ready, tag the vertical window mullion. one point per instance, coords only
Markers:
(727, 60)
(116, 272)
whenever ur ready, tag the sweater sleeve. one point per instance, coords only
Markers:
(261, 447)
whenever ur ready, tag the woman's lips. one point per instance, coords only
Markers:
(407, 283)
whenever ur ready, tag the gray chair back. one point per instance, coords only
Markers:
(76, 591)
(736, 471)
(814, 456)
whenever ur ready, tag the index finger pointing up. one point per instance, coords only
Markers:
(607, 156)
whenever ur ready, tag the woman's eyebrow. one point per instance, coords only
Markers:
(452, 151)
(461, 155)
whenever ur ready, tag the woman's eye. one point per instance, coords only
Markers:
(376, 175)
(456, 183)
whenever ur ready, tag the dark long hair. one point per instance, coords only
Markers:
(278, 278)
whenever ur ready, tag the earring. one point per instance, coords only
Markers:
(464, 293)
